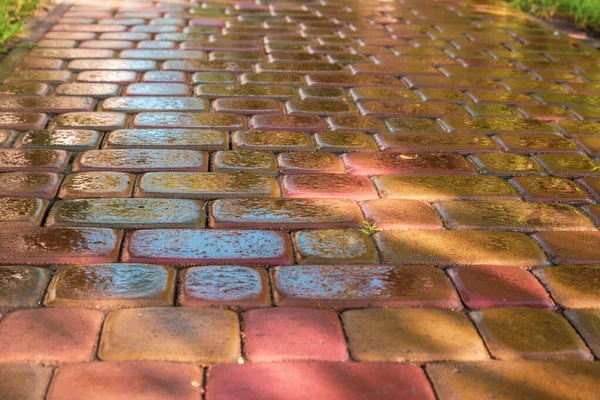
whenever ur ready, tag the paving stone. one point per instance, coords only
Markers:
(492, 110)
(463, 143)
(157, 89)
(278, 140)
(590, 144)
(7, 137)
(536, 143)
(22, 286)
(111, 65)
(107, 44)
(591, 184)
(212, 91)
(244, 160)
(61, 139)
(579, 249)
(181, 246)
(458, 83)
(95, 90)
(395, 334)
(30, 184)
(22, 121)
(200, 335)
(496, 125)
(512, 333)
(496, 96)
(128, 213)
(33, 160)
(517, 379)
(363, 163)
(141, 160)
(422, 110)
(197, 139)
(247, 106)
(17, 211)
(318, 107)
(549, 188)
(569, 165)
(49, 335)
(206, 66)
(284, 213)
(448, 248)
(51, 77)
(307, 163)
(505, 164)
(206, 185)
(347, 286)
(41, 63)
(496, 286)
(122, 380)
(111, 286)
(224, 286)
(70, 54)
(214, 77)
(293, 334)
(101, 121)
(341, 142)
(330, 246)
(587, 322)
(575, 128)
(295, 381)
(107, 76)
(96, 185)
(189, 120)
(413, 125)
(139, 104)
(328, 186)
(572, 287)
(25, 382)
(512, 215)
(438, 187)
(302, 123)
(356, 123)
(35, 245)
(444, 95)
(24, 88)
(164, 76)
(400, 214)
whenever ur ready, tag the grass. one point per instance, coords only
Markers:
(584, 13)
(369, 229)
(13, 15)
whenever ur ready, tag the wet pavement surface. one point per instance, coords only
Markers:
(310, 199)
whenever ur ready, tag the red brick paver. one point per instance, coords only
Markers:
(270, 199)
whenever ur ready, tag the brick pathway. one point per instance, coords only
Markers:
(183, 187)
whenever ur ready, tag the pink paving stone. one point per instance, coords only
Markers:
(499, 286)
(302, 123)
(148, 380)
(216, 22)
(22, 121)
(30, 184)
(49, 335)
(12, 160)
(400, 214)
(225, 286)
(361, 163)
(35, 245)
(293, 334)
(328, 186)
(189, 246)
(317, 381)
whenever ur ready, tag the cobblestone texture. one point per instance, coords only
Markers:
(324, 199)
